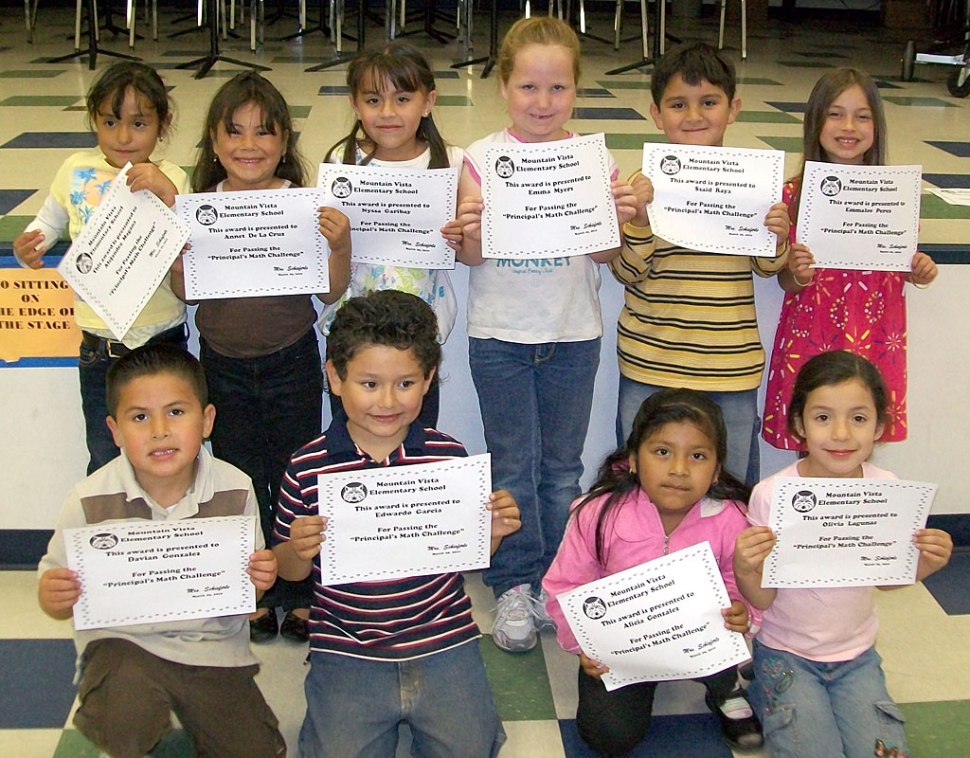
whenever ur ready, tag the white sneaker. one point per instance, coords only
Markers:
(514, 630)
(543, 620)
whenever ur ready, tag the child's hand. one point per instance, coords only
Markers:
(452, 233)
(778, 222)
(262, 569)
(591, 667)
(643, 189)
(58, 592)
(306, 536)
(751, 549)
(935, 547)
(625, 200)
(736, 617)
(148, 176)
(29, 248)
(470, 218)
(505, 516)
(178, 265)
(800, 260)
(923, 270)
(335, 226)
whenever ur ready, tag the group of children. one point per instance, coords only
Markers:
(691, 362)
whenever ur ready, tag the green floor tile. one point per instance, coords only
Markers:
(631, 141)
(788, 144)
(38, 73)
(767, 117)
(758, 80)
(938, 730)
(300, 111)
(12, 226)
(20, 101)
(921, 102)
(932, 206)
(453, 100)
(519, 683)
(73, 744)
(623, 84)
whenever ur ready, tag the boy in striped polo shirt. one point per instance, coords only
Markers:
(689, 317)
(398, 650)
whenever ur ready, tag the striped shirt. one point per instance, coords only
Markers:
(398, 619)
(688, 318)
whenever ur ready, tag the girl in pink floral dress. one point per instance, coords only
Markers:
(836, 309)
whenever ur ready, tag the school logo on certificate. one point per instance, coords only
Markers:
(104, 541)
(353, 492)
(206, 215)
(831, 186)
(594, 607)
(670, 165)
(504, 167)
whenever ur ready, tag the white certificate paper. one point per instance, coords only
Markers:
(155, 571)
(657, 621)
(548, 199)
(714, 199)
(395, 215)
(860, 217)
(391, 523)
(252, 244)
(845, 533)
(123, 253)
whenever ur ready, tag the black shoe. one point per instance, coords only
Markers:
(739, 733)
(294, 628)
(264, 628)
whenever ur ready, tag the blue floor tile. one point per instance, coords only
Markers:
(788, 107)
(35, 689)
(614, 114)
(949, 586)
(74, 140)
(10, 199)
(959, 149)
(690, 736)
(948, 181)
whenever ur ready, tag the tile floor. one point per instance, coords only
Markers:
(923, 642)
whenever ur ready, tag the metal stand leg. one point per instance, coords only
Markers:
(492, 57)
(93, 49)
(336, 34)
(205, 63)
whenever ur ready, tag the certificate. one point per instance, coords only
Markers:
(395, 214)
(845, 533)
(657, 621)
(252, 244)
(123, 253)
(548, 199)
(391, 523)
(141, 572)
(714, 199)
(860, 217)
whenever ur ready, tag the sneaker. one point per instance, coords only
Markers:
(514, 630)
(543, 620)
(739, 726)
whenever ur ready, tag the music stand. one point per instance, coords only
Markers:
(93, 49)
(342, 57)
(490, 59)
(206, 62)
(659, 28)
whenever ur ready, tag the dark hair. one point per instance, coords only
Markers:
(668, 406)
(401, 67)
(114, 83)
(243, 89)
(695, 62)
(537, 30)
(152, 359)
(388, 318)
(836, 367)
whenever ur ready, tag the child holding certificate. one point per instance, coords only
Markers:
(689, 317)
(392, 92)
(260, 353)
(665, 490)
(403, 650)
(133, 677)
(534, 335)
(130, 111)
(841, 309)
(819, 686)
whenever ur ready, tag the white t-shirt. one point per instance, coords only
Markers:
(534, 300)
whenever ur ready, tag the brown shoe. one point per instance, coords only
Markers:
(294, 628)
(264, 628)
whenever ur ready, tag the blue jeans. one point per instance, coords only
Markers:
(535, 402)
(811, 709)
(92, 368)
(354, 706)
(267, 407)
(740, 411)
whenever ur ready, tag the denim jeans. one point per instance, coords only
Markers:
(740, 411)
(535, 402)
(92, 368)
(267, 407)
(811, 709)
(354, 706)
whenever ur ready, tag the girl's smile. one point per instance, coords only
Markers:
(249, 150)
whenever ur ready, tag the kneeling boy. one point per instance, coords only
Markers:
(390, 651)
(133, 677)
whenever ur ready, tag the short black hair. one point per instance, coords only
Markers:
(695, 62)
(152, 359)
(388, 318)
